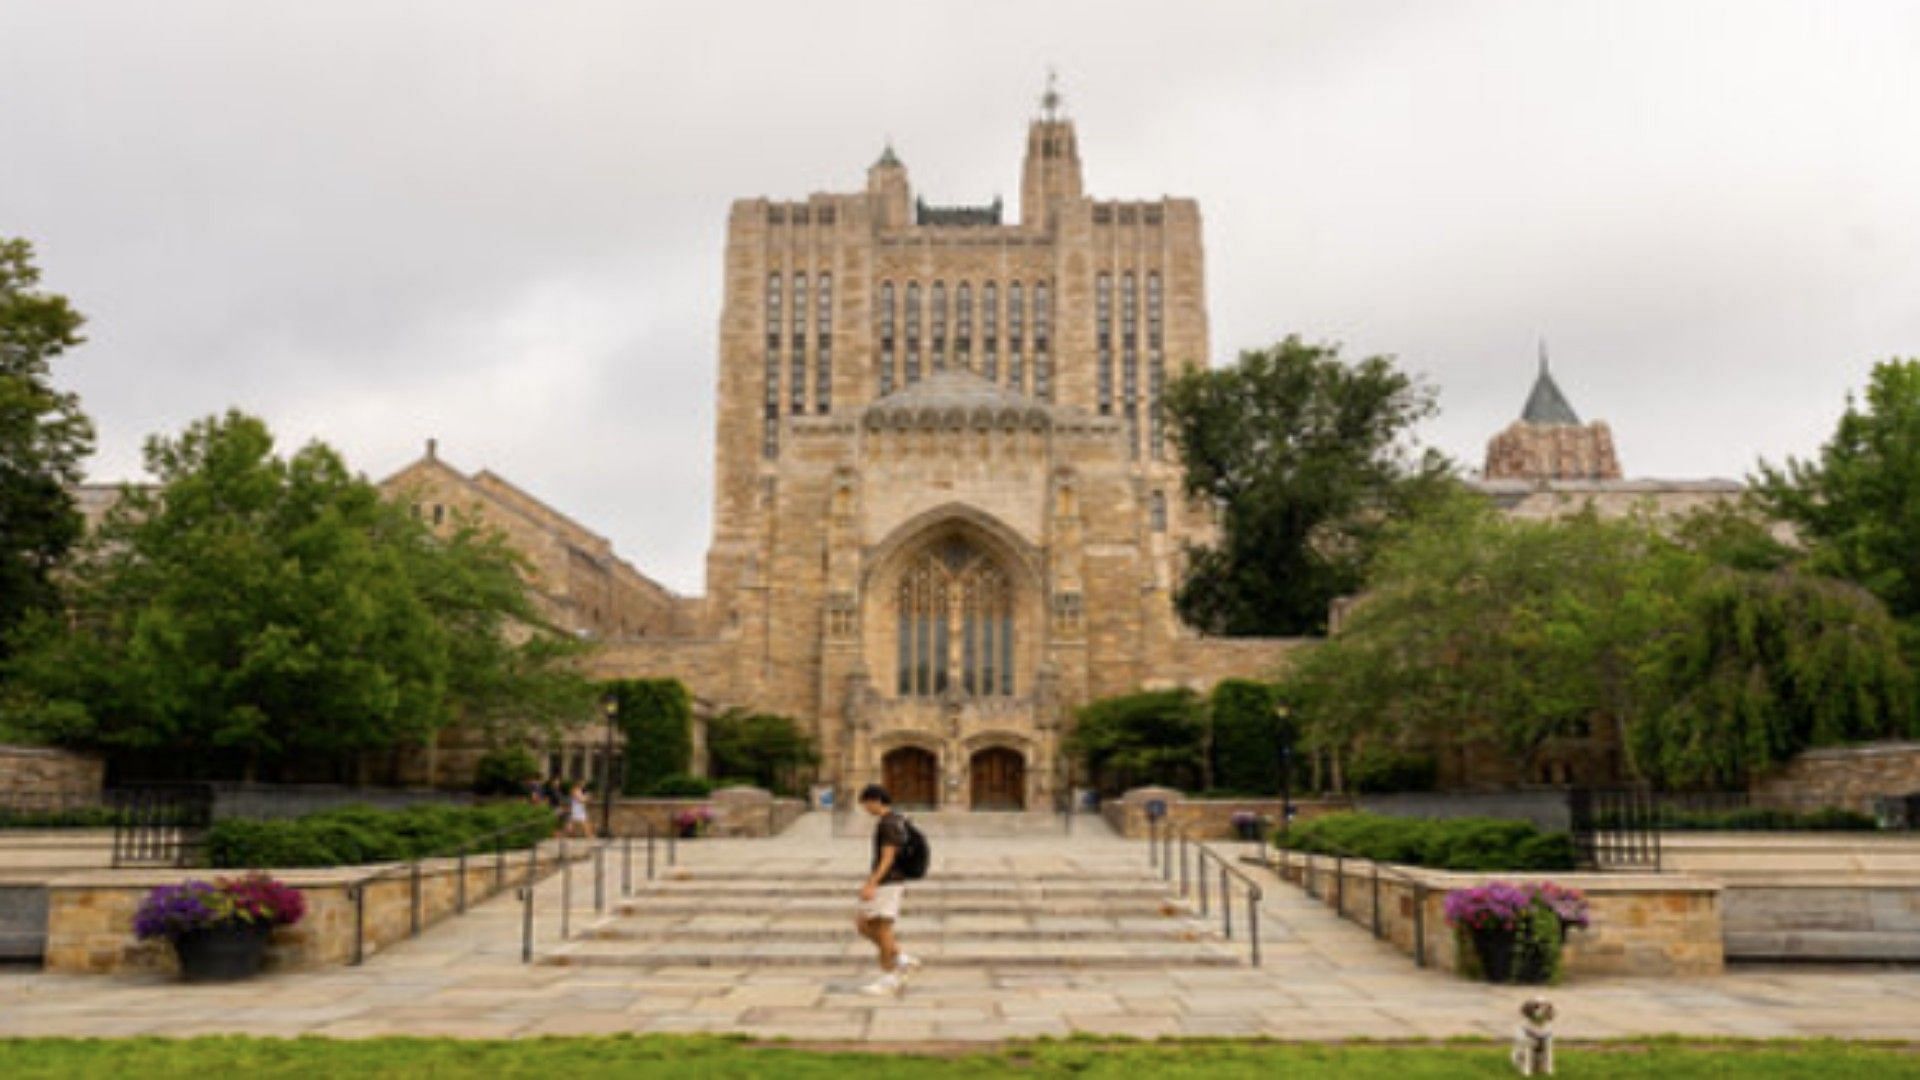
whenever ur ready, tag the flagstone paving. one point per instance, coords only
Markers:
(1322, 978)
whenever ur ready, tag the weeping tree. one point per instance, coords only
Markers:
(1764, 666)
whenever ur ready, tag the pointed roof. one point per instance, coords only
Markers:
(888, 158)
(1546, 404)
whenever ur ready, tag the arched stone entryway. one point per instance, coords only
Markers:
(999, 779)
(911, 775)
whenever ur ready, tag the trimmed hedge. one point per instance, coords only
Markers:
(681, 786)
(78, 817)
(354, 835)
(1449, 844)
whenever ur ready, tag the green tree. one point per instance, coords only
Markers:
(771, 751)
(1308, 458)
(657, 717)
(1856, 506)
(1151, 737)
(257, 609)
(1766, 665)
(43, 438)
(1248, 731)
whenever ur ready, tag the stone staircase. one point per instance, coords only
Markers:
(992, 902)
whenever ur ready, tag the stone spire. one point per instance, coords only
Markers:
(887, 186)
(1546, 404)
(1051, 172)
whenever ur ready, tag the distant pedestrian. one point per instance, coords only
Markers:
(578, 822)
(885, 888)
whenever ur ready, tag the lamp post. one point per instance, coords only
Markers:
(610, 708)
(1283, 730)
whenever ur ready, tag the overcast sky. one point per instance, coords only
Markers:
(501, 224)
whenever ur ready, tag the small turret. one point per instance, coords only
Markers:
(888, 188)
(1051, 172)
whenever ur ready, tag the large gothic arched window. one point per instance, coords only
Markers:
(955, 623)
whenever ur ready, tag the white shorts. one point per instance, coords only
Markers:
(885, 903)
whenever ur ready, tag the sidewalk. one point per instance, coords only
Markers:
(1323, 979)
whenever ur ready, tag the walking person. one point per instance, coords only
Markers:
(899, 856)
(578, 822)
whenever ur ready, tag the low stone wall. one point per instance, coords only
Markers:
(1871, 919)
(1850, 777)
(737, 812)
(1642, 924)
(1205, 819)
(90, 915)
(35, 776)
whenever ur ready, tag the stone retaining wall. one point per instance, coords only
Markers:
(34, 776)
(737, 812)
(1849, 776)
(90, 915)
(1205, 819)
(1643, 924)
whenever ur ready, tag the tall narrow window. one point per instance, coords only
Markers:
(1016, 337)
(963, 325)
(1130, 360)
(1156, 370)
(797, 359)
(770, 424)
(913, 332)
(1103, 340)
(937, 302)
(823, 346)
(886, 338)
(1042, 341)
(990, 331)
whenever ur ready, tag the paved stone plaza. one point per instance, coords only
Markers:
(1323, 978)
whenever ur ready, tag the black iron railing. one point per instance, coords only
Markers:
(1195, 875)
(160, 824)
(1312, 863)
(597, 854)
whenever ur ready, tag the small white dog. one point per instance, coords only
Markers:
(1533, 1039)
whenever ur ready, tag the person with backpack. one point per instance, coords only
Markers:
(900, 855)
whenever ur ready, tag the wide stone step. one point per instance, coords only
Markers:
(981, 891)
(1173, 932)
(1135, 955)
(929, 905)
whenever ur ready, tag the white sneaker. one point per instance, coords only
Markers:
(882, 986)
(905, 966)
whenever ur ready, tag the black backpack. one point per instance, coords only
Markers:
(914, 857)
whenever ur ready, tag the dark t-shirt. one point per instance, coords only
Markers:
(890, 832)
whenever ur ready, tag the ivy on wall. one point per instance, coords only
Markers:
(656, 715)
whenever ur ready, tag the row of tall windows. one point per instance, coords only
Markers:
(1133, 405)
(955, 324)
(788, 326)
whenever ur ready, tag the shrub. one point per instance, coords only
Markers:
(1381, 770)
(769, 751)
(1451, 844)
(504, 770)
(360, 834)
(681, 786)
(1246, 736)
(657, 717)
(1152, 737)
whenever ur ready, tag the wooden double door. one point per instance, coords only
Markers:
(999, 779)
(912, 776)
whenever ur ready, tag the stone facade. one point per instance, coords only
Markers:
(946, 510)
(32, 776)
(1549, 442)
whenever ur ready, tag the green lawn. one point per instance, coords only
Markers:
(663, 1056)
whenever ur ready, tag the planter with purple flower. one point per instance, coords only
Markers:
(1517, 930)
(693, 821)
(219, 929)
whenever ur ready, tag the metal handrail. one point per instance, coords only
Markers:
(1161, 854)
(412, 869)
(1340, 855)
(598, 856)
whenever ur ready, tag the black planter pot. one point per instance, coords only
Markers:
(1495, 948)
(223, 953)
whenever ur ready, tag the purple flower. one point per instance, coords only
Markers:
(171, 911)
(1493, 906)
(1569, 904)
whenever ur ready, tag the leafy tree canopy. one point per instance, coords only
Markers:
(1856, 506)
(766, 749)
(261, 607)
(1151, 737)
(1309, 458)
(43, 439)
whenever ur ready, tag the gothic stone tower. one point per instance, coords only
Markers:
(946, 507)
(1549, 442)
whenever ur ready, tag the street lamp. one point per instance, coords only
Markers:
(610, 707)
(1283, 731)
